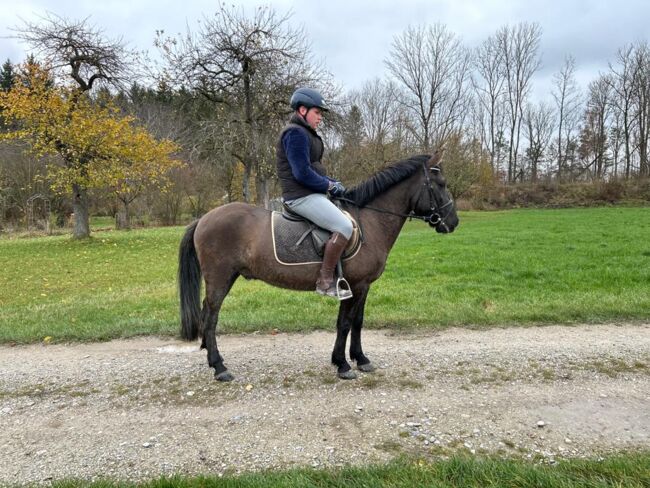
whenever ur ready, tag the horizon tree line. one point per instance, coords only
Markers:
(221, 95)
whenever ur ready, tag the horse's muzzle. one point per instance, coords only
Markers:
(444, 227)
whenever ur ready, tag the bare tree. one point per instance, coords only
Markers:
(539, 124)
(567, 102)
(519, 46)
(622, 82)
(489, 89)
(77, 50)
(593, 144)
(247, 66)
(616, 138)
(379, 108)
(641, 98)
(433, 67)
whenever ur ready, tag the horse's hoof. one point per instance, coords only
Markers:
(224, 376)
(366, 368)
(348, 375)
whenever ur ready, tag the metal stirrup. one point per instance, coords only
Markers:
(343, 291)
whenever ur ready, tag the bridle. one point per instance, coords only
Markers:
(433, 219)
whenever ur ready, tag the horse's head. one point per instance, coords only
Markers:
(434, 202)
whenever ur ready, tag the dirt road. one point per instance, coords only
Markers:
(142, 408)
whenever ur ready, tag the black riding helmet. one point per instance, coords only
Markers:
(309, 98)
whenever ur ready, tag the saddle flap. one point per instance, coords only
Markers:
(298, 241)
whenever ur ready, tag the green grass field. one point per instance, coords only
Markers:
(628, 471)
(509, 268)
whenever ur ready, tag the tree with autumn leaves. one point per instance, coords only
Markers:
(93, 145)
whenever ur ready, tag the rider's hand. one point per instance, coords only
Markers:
(336, 189)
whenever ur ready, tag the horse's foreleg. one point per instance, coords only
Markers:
(347, 313)
(356, 352)
(214, 297)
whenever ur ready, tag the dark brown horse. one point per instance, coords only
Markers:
(235, 240)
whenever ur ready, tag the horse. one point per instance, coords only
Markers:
(235, 240)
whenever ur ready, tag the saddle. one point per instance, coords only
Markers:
(298, 241)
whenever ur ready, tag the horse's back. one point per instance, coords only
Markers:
(231, 230)
(232, 220)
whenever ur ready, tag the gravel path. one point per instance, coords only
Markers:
(138, 409)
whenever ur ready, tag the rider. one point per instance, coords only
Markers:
(305, 185)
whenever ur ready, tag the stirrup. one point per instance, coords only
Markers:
(343, 291)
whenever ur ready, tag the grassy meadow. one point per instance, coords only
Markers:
(507, 268)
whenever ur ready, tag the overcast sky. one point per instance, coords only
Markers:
(353, 38)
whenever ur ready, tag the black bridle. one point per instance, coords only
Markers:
(433, 219)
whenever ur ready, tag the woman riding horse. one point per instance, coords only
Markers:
(236, 240)
(305, 184)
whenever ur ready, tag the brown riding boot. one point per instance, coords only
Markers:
(326, 284)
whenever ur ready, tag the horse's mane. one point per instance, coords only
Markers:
(384, 179)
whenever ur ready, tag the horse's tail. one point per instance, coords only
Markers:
(189, 285)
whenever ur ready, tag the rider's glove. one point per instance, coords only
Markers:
(336, 189)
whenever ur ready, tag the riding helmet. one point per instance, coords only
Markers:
(309, 98)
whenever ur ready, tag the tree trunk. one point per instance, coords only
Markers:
(262, 190)
(628, 153)
(246, 183)
(252, 152)
(559, 147)
(81, 228)
(123, 219)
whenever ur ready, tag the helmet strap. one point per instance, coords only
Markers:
(303, 116)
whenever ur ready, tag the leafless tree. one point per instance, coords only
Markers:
(594, 144)
(616, 139)
(489, 88)
(622, 83)
(567, 103)
(641, 99)
(247, 66)
(378, 106)
(433, 67)
(519, 46)
(540, 125)
(77, 50)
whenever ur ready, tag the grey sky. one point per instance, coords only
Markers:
(353, 38)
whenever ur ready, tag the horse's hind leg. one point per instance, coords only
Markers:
(214, 295)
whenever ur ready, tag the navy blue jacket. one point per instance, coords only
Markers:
(299, 152)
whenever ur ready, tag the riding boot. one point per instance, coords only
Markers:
(326, 284)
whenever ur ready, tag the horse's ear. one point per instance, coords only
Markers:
(436, 159)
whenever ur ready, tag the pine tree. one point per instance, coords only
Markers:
(7, 76)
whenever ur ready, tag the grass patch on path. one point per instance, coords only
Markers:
(628, 471)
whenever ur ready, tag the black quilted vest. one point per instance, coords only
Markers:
(291, 189)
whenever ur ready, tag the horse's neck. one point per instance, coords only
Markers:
(385, 227)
